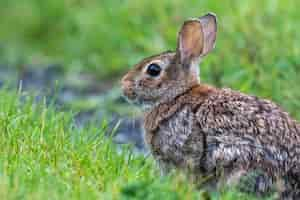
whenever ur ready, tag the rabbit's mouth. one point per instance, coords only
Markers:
(129, 99)
(132, 98)
(129, 94)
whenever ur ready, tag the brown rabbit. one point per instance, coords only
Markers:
(208, 131)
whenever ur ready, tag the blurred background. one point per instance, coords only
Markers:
(73, 52)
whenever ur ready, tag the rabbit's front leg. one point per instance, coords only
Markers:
(164, 167)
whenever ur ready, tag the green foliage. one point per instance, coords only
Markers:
(257, 46)
(144, 190)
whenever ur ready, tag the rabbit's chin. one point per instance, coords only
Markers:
(146, 106)
(143, 104)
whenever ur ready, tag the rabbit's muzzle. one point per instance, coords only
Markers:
(128, 89)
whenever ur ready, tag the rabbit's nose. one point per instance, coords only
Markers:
(124, 79)
(127, 88)
(125, 82)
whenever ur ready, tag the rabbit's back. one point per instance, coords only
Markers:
(247, 133)
(230, 118)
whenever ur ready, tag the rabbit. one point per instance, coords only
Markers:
(208, 131)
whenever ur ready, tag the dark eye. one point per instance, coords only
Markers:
(153, 69)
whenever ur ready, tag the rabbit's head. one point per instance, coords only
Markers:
(162, 77)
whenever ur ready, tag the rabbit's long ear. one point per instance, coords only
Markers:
(196, 38)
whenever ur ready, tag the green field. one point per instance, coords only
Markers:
(43, 155)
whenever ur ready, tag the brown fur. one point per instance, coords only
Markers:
(209, 131)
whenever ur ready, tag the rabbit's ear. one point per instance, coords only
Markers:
(196, 38)
(209, 28)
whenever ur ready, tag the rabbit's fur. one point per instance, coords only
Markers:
(208, 131)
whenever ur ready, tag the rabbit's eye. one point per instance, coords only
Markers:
(153, 69)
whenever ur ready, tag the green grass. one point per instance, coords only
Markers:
(44, 156)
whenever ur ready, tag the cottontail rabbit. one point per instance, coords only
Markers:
(206, 130)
